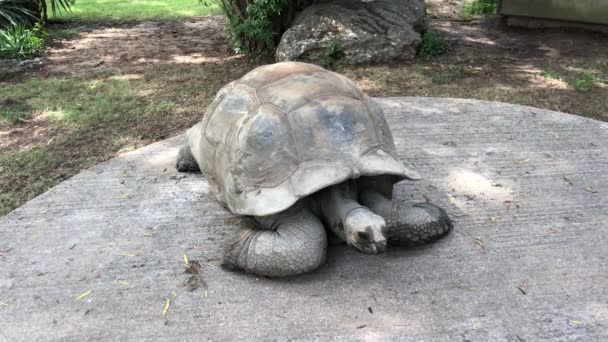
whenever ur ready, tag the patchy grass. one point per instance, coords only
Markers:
(24, 175)
(76, 122)
(449, 77)
(106, 10)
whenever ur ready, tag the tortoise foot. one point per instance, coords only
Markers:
(418, 224)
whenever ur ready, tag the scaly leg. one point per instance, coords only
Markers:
(288, 243)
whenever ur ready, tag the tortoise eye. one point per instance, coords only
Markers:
(363, 235)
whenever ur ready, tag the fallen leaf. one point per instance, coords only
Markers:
(84, 294)
(589, 189)
(494, 218)
(123, 196)
(43, 211)
(193, 282)
(148, 234)
(174, 294)
(167, 305)
(522, 161)
(193, 267)
(40, 221)
(186, 260)
(575, 321)
(122, 282)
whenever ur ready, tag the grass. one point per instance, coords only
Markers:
(25, 175)
(80, 121)
(131, 10)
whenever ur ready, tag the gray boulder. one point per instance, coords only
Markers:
(357, 31)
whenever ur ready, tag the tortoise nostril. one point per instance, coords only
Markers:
(363, 236)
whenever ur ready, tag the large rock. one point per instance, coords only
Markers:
(360, 31)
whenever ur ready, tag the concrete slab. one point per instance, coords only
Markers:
(527, 261)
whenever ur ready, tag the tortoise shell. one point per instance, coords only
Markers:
(286, 130)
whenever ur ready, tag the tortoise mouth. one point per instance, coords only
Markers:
(369, 248)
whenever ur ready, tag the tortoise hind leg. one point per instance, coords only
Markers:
(408, 225)
(185, 161)
(285, 244)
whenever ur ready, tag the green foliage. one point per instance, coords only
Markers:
(251, 23)
(333, 54)
(480, 7)
(13, 12)
(10, 115)
(582, 83)
(432, 45)
(20, 42)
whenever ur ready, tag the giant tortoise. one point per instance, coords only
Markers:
(301, 150)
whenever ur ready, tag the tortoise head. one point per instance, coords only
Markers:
(365, 231)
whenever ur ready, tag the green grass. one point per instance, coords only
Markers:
(110, 10)
(581, 80)
(88, 119)
(21, 177)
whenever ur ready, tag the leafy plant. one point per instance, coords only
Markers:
(15, 11)
(20, 42)
(432, 45)
(333, 54)
(583, 83)
(256, 25)
(480, 7)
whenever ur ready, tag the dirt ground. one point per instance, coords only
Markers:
(131, 46)
(174, 69)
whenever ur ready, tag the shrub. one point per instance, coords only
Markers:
(432, 45)
(20, 42)
(257, 25)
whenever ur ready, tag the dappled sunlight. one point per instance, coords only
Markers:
(467, 183)
(126, 77)
(141, 44)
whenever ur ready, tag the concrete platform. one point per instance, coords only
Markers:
(97, 257)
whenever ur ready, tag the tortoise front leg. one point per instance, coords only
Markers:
(185, 161)
(408, 225)
(288, 243)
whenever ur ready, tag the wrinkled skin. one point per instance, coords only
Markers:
(358, 212)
